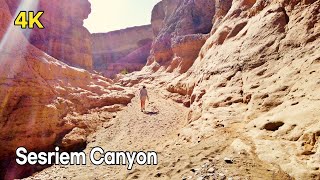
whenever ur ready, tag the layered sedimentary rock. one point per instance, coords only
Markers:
(178, 26)
(42, 99)
(124, 50)
(260, 67)
(256, 78)
(64, 36)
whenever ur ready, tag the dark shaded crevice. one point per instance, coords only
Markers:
(287, 18)
(273, 126)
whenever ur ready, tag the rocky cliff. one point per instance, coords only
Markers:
(247, 69)
(43, 99)
(256, 78)
(123, 50)
(179, 27)
(64, 36)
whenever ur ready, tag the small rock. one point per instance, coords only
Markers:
(76, 138)
(211, 170)
(221, 176)
(204, 166)
(200, 178)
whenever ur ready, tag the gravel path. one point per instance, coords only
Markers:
(131, 130)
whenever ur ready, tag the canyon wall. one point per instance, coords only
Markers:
(248, 70)
(256, 77)
(123, 50)
(260, 66)
(180, 28)
(43, 99)
(64, 36)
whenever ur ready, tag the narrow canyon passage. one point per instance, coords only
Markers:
(247, 72)
(178, 157)
(131, 130)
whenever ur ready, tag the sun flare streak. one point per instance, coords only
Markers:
(13, 42)
(9, 39)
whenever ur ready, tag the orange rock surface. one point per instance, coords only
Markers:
(64, 36)
(248, 71)
(42, 99)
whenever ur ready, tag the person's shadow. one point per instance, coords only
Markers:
(151, 112)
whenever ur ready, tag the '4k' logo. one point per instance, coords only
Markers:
(29, 20)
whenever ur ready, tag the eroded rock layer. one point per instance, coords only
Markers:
(64, 36)
(42, 99)
(125, 50)
(256, 77)
(178, 26)
(260, 66)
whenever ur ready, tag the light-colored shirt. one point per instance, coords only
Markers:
(143, 92)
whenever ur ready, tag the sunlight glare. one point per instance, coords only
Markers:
(12, 34)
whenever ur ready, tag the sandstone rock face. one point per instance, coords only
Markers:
(39, 92)
(260, 67)
(256, 77)
(185, 49)
(42, 99)
(64, 36)
(126, 49)
(178, 26)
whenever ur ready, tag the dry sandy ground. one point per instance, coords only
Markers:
(179, 158)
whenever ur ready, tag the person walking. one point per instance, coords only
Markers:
(143, 97)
